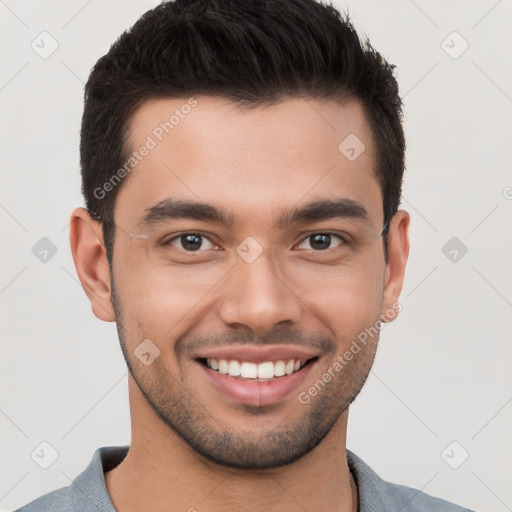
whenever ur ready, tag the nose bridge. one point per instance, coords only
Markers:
(257, 296)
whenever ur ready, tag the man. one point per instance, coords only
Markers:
(242, 165)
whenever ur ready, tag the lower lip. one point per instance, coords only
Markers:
(257, 393)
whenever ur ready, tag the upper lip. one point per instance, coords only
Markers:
(258, 354)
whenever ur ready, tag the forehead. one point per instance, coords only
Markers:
(249, 162)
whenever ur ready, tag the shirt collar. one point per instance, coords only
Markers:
(89, 491)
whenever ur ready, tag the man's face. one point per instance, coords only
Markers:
(306, 288)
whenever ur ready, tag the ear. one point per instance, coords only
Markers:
(398, 252)
(89, 255)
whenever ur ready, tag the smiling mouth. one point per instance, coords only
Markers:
(256, 372)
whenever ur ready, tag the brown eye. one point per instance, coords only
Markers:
(190, 242)
(321, 241)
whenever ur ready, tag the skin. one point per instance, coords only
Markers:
(191, 445)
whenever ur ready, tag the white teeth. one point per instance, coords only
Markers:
(266, 370)
(223, 366)
(248, 370)
(279, 368)
(234, 368)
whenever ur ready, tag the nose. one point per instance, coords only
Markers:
(256, 295)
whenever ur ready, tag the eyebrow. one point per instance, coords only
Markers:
(317, 211)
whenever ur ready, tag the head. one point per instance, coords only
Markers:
(285, 130)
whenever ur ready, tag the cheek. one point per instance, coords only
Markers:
(346, 312)
(347, 300)
(158, 301)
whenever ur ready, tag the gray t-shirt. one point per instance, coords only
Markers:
(88, 492)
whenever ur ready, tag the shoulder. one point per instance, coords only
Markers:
(58, 500)
(377, 494)
(413, 500)
(87, 491)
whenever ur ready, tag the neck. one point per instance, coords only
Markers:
(161, 469)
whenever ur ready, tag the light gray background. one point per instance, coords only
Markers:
(442, 371)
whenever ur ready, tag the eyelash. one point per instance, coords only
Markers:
(343, 240)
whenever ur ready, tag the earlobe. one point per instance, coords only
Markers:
(89, 256)
(398, 252)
